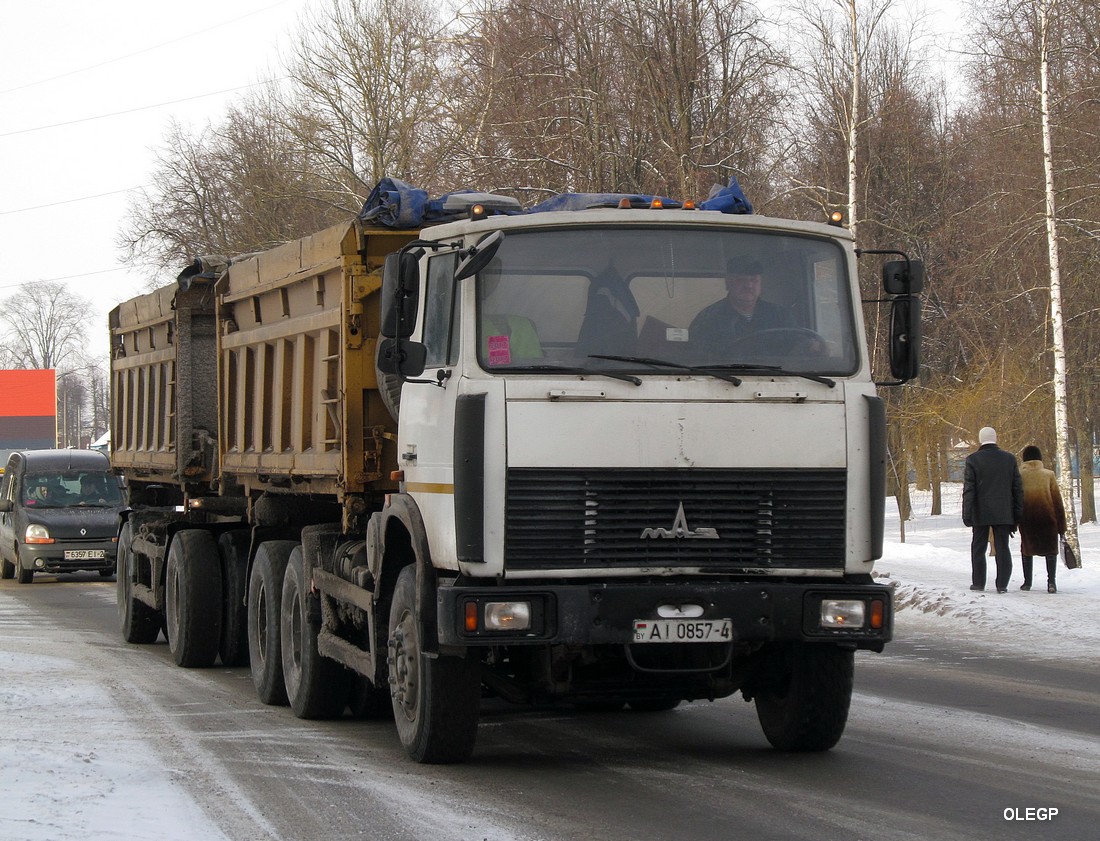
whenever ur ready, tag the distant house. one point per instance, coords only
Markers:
(103, 443)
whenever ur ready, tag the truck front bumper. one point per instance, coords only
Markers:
(605, 613)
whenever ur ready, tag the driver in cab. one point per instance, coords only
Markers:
(732, 320)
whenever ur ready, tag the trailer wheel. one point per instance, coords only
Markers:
(233, 552)
(193, 599)
(805, 706)
(315, 686)
(139, 623)
(265, 594)
(436, 700)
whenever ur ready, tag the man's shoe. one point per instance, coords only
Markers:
(976, 587)
(1025, 586)
(1051, 588)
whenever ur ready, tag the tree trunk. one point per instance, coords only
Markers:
(1061, 414)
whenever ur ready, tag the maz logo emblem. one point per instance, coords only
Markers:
(680, 529)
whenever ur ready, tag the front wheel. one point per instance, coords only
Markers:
(193, 599)
(22, 574)
(315, 686)
(7, 568)
(803, 706)
(436, 700)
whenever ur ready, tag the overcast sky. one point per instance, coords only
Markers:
(86, 92)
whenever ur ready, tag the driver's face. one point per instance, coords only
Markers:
(743, 291)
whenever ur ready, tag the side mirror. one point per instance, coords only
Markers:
(903, 277)
(401, 357)
(6, 506)
(905, 335)
(478, 257)
(400, 294)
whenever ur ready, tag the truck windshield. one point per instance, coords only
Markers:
(656, 299)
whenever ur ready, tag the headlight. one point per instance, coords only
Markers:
(37, 533)
(842, 613)
(507, 616)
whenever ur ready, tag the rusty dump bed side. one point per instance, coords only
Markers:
(163, 385)
(300, 409)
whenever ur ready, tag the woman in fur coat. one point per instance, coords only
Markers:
(1044, 517)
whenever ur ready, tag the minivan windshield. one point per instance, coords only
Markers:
(662, 300)
(71, 489)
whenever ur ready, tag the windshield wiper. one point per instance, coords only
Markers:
(561, 369)
(749, 368)
(708, 370)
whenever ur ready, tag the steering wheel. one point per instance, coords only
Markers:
(784, 341)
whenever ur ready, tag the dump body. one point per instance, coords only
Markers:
(164, 415)
(300, 407)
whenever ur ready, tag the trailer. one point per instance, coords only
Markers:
(395, 469)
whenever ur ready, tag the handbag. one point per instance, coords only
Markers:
(1069, 556)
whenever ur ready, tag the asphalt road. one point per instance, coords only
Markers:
(943, 742)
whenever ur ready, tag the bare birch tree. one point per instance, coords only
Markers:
(47, 324)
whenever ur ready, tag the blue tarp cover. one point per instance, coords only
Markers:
(395, 204)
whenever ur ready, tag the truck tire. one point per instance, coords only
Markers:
(805, 707)
(233, 552)
(193, 599)
(265, 595)
(436, 700)
(315, 686)
(139, 623)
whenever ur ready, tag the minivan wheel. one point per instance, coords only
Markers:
(22, 574)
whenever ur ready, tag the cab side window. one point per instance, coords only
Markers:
(440, 327)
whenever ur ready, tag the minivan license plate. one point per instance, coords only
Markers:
(683, 630)
(84, 554)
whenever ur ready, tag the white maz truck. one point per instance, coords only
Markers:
(399, 469)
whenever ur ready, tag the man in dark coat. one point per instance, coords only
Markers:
(993, 499)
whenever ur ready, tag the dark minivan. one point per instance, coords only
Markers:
(59, 512)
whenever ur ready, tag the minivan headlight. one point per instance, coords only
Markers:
(37, 533)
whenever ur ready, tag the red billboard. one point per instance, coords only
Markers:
(28, 410)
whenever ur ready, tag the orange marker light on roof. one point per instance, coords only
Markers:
(689, 205)
(624, 204)
(656, 204)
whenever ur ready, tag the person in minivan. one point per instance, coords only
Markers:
(45, 490)
(93, 488)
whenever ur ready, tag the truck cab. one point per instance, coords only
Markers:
(629, 491)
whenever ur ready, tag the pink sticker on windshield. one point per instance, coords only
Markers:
(500, 351)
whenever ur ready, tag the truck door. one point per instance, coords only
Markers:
(426, 446)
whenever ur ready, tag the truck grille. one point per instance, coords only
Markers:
(595, 518)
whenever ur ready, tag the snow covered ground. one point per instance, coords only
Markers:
(70, 778)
